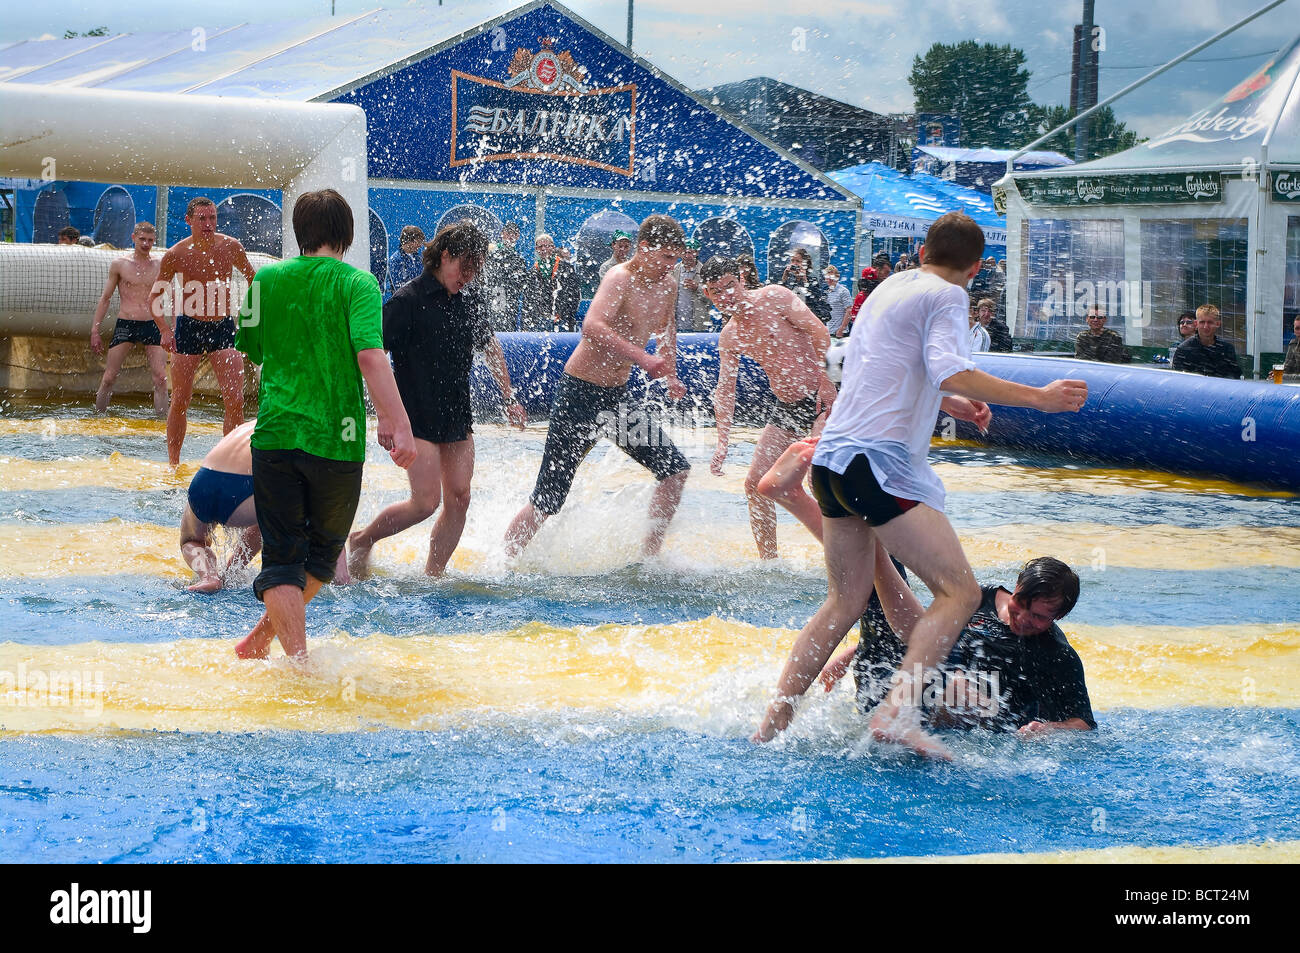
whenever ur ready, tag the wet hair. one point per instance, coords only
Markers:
(1209, 309)
(411, 233)
(955, 241)
(463, 240)
(144, 227)
(1050, 579)
(831, 269)
(70, 233)
(719, 267)
(661, 232)
(198, 202)
(322, 218)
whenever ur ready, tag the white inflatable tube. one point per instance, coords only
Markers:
(112, 136)
(53, 290)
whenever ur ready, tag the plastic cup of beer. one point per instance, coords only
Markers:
(1277, 373)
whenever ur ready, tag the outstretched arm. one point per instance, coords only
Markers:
(1053, 398)
(724, 400)
(496, 362)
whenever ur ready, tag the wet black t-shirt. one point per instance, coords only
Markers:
(433, 336)
(1039, 677)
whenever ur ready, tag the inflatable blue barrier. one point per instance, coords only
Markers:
(1136, 416)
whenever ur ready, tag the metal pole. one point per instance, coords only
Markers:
(629, 24)
(1134, 85)
(1087, 91)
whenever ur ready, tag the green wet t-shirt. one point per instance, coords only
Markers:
(304, 321)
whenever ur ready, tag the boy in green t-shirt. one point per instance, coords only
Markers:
(313, 323)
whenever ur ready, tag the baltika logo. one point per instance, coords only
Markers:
(545, 70)
(546, 109)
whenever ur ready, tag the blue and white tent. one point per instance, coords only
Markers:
(895, 205)
(500, 111)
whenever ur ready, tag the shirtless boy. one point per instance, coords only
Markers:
(773, 327)
(205, 324)
(635, 300)
(870, 475)
(221, 494)
(133, 276)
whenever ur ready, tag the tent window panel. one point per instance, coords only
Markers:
(1190, 262)
(1068, 263)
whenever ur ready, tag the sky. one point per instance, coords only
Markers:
(858, 51)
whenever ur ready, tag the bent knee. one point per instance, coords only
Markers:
(458, 500)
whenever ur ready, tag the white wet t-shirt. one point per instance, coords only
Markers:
(912, 335)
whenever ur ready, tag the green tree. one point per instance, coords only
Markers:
(986, 85)
(1106, 134)
(94, 31)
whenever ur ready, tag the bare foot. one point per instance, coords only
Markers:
(902, 726)
(250, 646)
(437, 572)
(358, 558)
(206, 584)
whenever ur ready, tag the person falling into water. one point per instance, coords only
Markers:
(221, 494)
(773, 327)
(432, 334)
(133, 277)
(909, 349)
(205, 324)
(634, 301)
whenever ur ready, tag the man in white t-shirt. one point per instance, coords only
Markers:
(908, 355)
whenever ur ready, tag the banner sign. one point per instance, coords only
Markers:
(1286, 186)
(544, 110)
(1153, 189)
(892, 226)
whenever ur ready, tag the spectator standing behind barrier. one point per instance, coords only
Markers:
(1205, 353)
(871, 279)
(1100, 343)
(552, 291)
(838, 297)
(620, 250)
(404, 264)
(1186, 327)
(798, 277)
(68, 236)
(748, 272)
(692, 306)
(979, 335)
(1292, 363)
(999, 333)
(502, 281)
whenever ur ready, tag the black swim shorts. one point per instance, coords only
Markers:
(127, 331)
(855, 492)
(203, 337)
(305, 505)
(582, 414)
(797, 418)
